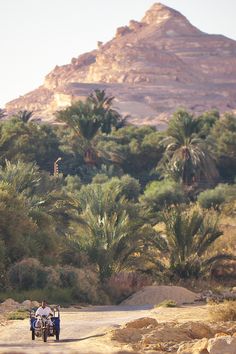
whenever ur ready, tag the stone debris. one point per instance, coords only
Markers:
(199, 347)
(148, 335)
(219, 345)
(11, 305)
(28, 304)
(222, 345)
(145, 322)
(209, 295)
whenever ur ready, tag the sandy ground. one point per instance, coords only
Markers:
(83, 331)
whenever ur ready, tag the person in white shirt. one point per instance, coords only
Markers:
(43, 310)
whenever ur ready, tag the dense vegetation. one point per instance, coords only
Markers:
(128, 206)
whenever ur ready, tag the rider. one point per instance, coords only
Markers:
(43, 310)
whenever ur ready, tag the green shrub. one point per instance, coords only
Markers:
(167, 303)
(68, 277)
(100, 178)
(213, 198)
(73, 184)
(129, 186)
(27, 274)
(18, 315)
(83, 283)
(160, 194)
(53, 296)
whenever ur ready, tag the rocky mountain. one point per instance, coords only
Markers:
(152, 67)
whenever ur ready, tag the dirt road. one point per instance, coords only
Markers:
(79, 329)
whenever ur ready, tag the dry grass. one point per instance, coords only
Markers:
(227, 242)
(18, 315)
(225, 311)
(167, 303)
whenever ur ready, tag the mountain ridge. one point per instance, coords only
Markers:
(152, 67)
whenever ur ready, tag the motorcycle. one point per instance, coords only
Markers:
(44, 326)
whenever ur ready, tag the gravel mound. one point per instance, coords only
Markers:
(9, 304)
(155, 294)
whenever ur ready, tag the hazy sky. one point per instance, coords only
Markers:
(37, 35)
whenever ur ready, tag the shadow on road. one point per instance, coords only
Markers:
(70, 340)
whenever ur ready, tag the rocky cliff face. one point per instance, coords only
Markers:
(152, 67)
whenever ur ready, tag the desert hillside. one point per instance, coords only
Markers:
(152, 67)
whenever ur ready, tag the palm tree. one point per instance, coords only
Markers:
(87, 118)
(81, 118)
(100, 101)
(187, 236)
(106, 230)
(24, 115)
(186, 153)
(102, 105)
(24, 177)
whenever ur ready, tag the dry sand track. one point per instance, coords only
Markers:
(83, 331)
(79, 331)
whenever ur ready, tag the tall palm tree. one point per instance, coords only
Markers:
(188, 236)
(81, 118)
(186, 153)
(87, 118)
(102, 105)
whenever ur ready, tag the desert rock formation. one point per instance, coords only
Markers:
(152, 67)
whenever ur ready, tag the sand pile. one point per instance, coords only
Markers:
(9, 304)
(153, 295)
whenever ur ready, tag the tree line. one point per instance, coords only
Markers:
(124, 199)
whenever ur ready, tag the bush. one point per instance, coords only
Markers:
(213, 198)
(18, 315)
(100, 178)
(73, 255)
(167, 303)
(122, 285)
(73, 184)
(129, 186)
(225, 311)
(27, 274)
(88, 288)
(76, 284)
(68, 277)
(83, 283)
(61, 277)
(160, 194)
(56, 296)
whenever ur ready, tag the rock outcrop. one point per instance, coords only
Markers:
(151, 336)
(152, 67)
(220, 345)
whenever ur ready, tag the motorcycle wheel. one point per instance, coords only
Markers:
(33, 334)
(57, 335)
(45, 335)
